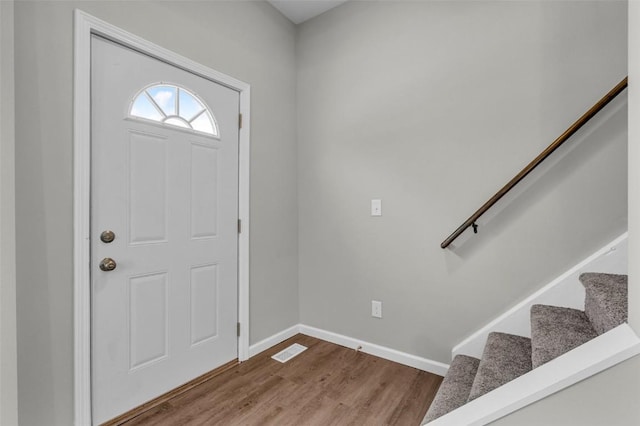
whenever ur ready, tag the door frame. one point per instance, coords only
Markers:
(86, 26)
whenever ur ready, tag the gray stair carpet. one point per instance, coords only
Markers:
(455, 387)
(556, 330)
(505, 358)
(606, 300)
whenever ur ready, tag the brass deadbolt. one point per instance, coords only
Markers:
(107, 236)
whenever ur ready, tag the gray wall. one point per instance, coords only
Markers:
(611, 397)
(608, 398)
(432, 107)
(8, 373)
(248, 40)
(634, 166)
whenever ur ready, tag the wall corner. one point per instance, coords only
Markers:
(634, 161)
(8, 354)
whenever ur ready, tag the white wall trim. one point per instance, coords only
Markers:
(271, 341)
(519, 313)
(404, 358)
(81, 242)
(85, 26)
(596, 355)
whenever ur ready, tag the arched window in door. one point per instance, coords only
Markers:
(175, 106)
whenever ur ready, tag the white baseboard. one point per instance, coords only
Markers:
(403, 358)
(420, 363)
(271, 341)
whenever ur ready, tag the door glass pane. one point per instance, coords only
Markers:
(204, 124)
(143, 108)
(177, 121)
(165, 97)
(189, 105)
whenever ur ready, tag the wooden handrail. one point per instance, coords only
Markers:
(536, 161)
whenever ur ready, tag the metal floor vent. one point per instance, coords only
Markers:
(290, 352)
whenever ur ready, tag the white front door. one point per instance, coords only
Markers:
(164, 182)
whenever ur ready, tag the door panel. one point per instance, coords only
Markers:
(167, 313)
(204, 191)
(147, 188)
(148, 331)
(204, 303)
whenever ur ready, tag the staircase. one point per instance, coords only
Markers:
(554, 331)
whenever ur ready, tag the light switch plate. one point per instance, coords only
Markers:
(376, 309)
(376, 207)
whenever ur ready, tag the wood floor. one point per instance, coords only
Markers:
(325, 385)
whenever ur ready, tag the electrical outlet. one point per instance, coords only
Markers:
(376, 309)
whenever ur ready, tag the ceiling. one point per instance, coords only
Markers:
(299, 11)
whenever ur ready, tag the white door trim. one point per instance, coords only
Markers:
(85, 26)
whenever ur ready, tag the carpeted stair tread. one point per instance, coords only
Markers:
(556, 330)
(606, 300)
(505, 357)
(455, 388)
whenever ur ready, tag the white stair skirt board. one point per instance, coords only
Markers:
(565, 291)
(596, 355)
(289, 353)
(403, 358)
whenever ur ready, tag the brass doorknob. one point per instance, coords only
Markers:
(107, 264)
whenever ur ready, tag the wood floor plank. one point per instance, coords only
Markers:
(417, 399)
(325, 385)
(322, 410)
